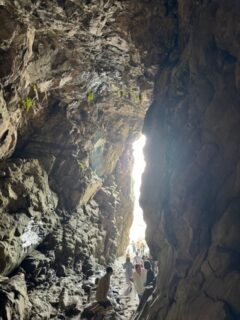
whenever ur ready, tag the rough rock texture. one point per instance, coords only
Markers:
(27, 211)
(191, 191)
(74, 91)
(14, 298)
(71, 77)
(76, 80)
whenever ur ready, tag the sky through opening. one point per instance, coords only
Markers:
(137, 231)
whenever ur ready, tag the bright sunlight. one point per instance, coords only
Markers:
(137, 231)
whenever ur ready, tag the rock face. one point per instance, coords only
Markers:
(190, 192)
(70, 77)
(14, 299)
(27, 211)
(76, 80)
(74, 92)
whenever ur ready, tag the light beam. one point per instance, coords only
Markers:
(137, 231)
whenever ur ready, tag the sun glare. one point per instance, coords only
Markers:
(137, 231)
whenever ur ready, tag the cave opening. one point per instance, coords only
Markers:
(137, 231)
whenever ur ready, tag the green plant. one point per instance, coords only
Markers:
(28, 103)
(90, 96)
(82, 165)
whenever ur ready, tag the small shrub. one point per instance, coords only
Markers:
(90, 96)
(28, 103)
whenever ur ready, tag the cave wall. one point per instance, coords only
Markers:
(191, 192)
(76, 80)
(73, 95)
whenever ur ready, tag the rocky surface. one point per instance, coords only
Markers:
(190, 192)
(76, 80)
(49, 296)
(15, 303)
(74, 91)
(27, 211)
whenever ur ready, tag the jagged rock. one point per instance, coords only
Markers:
(76, 80)
(124, 218)
(72, 79)
(8, 133)
(14, 298)
(87, 268)
(27, 211)
(40, 309)
(64, 142)
(36, 266)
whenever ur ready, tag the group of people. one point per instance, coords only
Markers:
(138, 246)
(140, 272)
